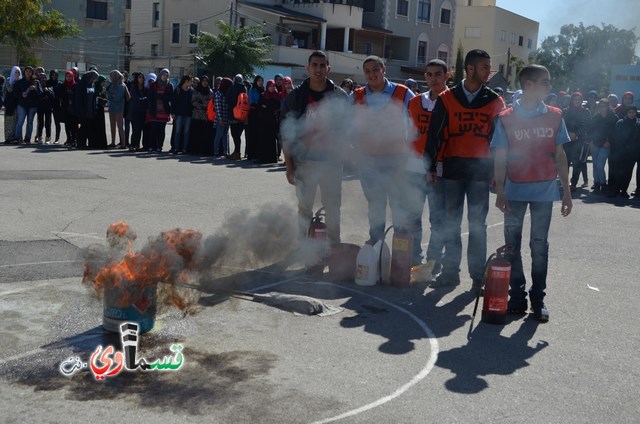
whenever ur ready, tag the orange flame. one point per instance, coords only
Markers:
(169, 259)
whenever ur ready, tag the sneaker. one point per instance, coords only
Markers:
(446, 280)
(517, 307)
(540, 313)
(585, 184)
(624, 194)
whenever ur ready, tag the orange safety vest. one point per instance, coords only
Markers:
(421, 119)
(532, 145)
(469, 129)
(393, 147)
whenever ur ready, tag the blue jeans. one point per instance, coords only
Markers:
(221, 140)
(416, 195)
(182, 125)
(381, 181)
(538, 243)
(599, 156)
(477, 193)
(28, 114)
(435, 197)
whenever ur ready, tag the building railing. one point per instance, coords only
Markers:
(356, 3)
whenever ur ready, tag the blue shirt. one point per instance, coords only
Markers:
(529, 192)
(380, 99)
(469, 94)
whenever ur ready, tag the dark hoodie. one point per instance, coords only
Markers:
(621, 109)
(84, 96)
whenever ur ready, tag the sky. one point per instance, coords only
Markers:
(552, 14)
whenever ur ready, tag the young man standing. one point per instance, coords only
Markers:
(423, 182)
(460, 131)
(381, 160)
(529, 156)
(312, 156)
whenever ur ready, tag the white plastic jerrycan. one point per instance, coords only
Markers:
(368, 265)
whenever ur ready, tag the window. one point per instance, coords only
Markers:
(368, 48)
(154, 50)
(422, 53)
(501, 68)
(503, 35)
(97, 10)
(513, 38)
(472, 32)
(403, 8)
(424, 11)
(443, 53)
(369, 6)
(127, 42)
(243, 22)
(445, 14)
(155, 16)
(529, 43)
(193, 32)
(520, 40)
(175, 33)
(128, 4)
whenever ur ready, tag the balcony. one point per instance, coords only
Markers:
(337, 13)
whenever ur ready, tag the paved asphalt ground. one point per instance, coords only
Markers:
(391, 356)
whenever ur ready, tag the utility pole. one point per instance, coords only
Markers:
(508, 70)
(230, 12)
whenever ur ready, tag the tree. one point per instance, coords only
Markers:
(517, 65)
(459, 70)
(24, 22)
(234, 50)
(580, 57)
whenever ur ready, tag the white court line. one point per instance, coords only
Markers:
(69, 234)
(40, 263)
(433, 342)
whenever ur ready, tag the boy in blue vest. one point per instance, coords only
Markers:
(529, 156)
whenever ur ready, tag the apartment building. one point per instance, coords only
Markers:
(503, 34)
(102, 42)
(406, 32)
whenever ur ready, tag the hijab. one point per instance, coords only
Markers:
(271, 95)
(69, 84)
(12, 78)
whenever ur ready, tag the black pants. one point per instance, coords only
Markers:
(236, 134)
(44, 120)
(156, 139)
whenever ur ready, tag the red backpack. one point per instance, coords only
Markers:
(241, 109)
(211, 110)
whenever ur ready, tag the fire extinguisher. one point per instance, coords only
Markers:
(496, 290)
(401, 255)
(317, 228)
(497, 273)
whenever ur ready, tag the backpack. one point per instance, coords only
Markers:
(211, 110)
(241, 110)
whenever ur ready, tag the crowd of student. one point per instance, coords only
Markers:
(607, 131)
(139, 109)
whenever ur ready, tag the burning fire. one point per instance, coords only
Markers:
(169, 259)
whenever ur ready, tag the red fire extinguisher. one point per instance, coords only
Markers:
(496, 287)
(497, 273)
(401, 255)
(317, 228)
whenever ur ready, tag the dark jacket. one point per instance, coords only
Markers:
(626, 138)
(294, 109)
(21, 87)
(459, 167)
(152, 95)
(601, 128)
(138, 103)
(83, 104)
(181, 102)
